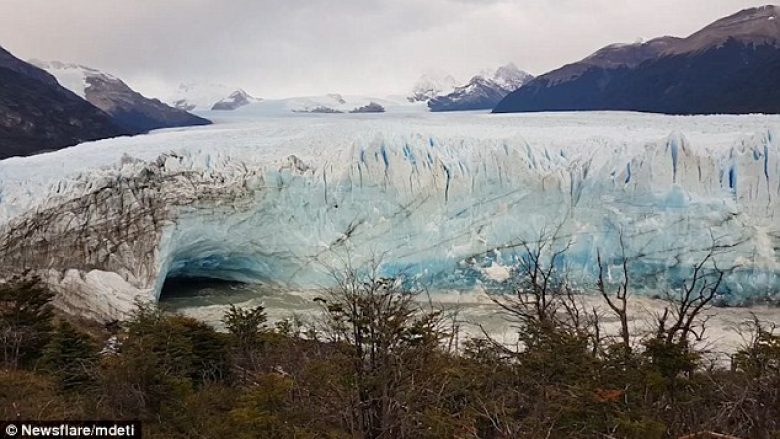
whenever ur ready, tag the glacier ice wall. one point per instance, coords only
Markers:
(448, 209)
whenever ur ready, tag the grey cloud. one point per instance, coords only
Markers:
(294, 47)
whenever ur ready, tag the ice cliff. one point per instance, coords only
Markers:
(445, 199)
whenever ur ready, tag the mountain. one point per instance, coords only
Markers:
(198, 96)
(10, 62)
(483, 91)
(130, 109)
(37, 114)
(613, 56)
(431, 85)
(509, 77)
(204, 96)
(731, 66)
(237, 99)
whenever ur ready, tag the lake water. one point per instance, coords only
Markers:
(473, 311)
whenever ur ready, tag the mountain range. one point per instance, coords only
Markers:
(483, 91)
(730, 66)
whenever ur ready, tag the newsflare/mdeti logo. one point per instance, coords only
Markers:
(70, 429)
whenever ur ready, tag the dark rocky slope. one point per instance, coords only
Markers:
(130, 110)
(37, 114)
(730, 66)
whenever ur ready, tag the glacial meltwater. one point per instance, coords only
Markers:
(473, 312)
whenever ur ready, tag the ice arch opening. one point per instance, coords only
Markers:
(210, 262)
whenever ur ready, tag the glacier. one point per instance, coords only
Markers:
(443, 198)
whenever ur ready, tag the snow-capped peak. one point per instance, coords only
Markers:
(483, 91)
(74, 77)
(509, 77)
(237, 99)
(432, 84)
(239, 94)
(200, 95)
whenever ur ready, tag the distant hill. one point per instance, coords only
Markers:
(37, 114)
(730, 66)
(237, 99)
(204, 96)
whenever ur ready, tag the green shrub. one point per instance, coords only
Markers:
(25, 321)
(70, 356)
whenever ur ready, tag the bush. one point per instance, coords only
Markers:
(378, 366)
(33, 396)
(70, 356)
(25, 321)
(162, 360)
(183, 347)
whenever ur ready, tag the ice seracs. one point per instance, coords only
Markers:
(443, 199)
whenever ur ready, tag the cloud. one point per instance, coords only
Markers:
(296, 47)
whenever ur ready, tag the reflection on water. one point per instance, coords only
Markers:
(208, 299)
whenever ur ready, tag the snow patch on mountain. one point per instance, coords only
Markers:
(128, 108)
(508, 77)
(74, 77)
(483, 91)
(237, 99)
(202, 96)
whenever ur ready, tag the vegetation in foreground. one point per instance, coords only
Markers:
(378, 366)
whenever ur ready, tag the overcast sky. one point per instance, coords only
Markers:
(299, 47)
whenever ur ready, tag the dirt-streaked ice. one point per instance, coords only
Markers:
(284, 199)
